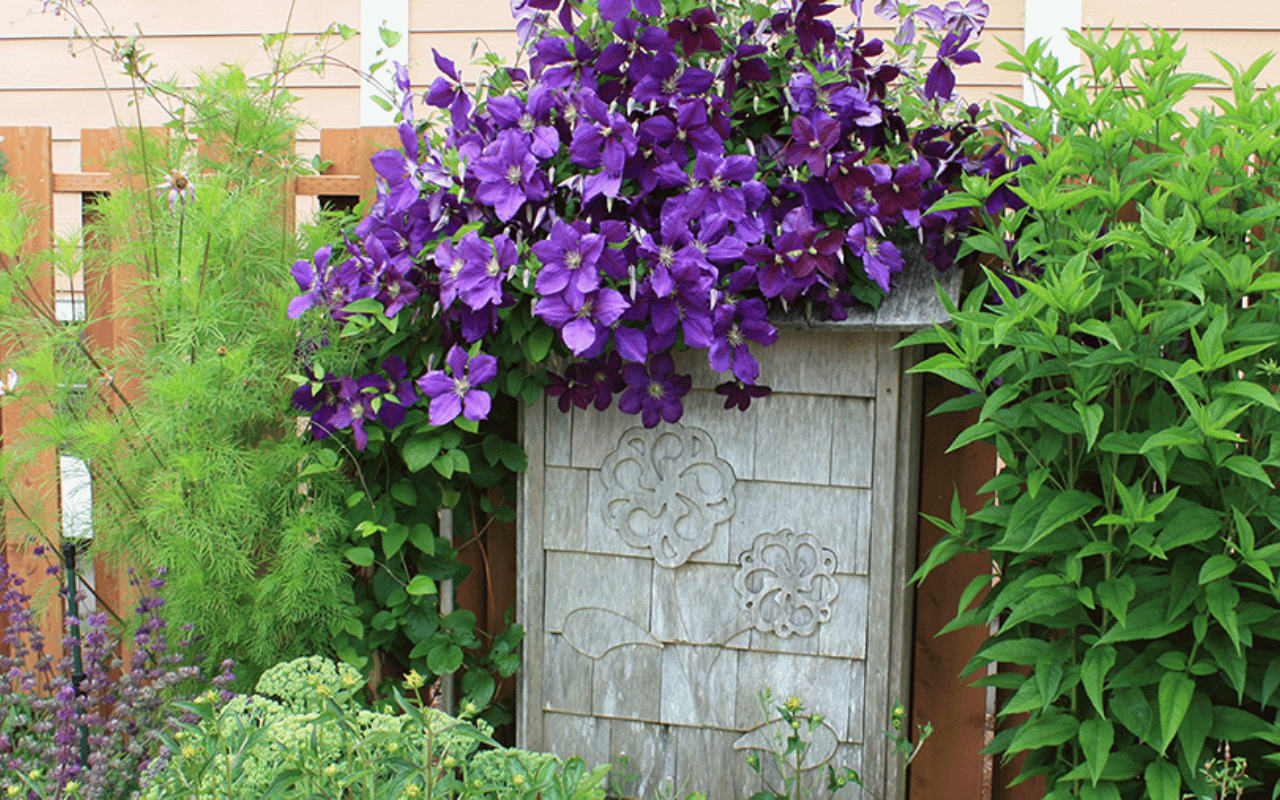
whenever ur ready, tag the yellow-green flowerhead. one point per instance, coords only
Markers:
(794, 703)
(413, 680)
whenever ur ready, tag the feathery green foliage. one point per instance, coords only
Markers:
(175, 395)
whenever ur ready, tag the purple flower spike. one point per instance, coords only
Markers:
(457, 393)
(654, 391)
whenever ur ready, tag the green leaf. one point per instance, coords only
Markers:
(1270, 681)
(1195, 728)
(420, 451)
(1249, 390)
(1248, 467)
(539, 342)
(1175, 693)
(1216, 567)
(404, 493)
(1091, 418)
(1163, 781)
(421, 585)
(1130, 708)
(1066, 507)
(1096, 737)
(444, 659)
(443, 464)
(1223, 599)
(1048, 731)
(360, 556)
(393, 538)
(1098, 661)
(1116, 594)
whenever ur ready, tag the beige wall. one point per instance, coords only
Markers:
(47, 80)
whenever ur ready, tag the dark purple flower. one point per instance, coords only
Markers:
(940, 83)
(654, 390)
(458, 391)
(695, 32)
(812, 139)
(739, 395)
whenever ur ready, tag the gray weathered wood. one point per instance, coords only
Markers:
(627, 682)
(851, 439)
(912, 305)
(565, 518)
(580, 580)
(793, 438)
(650, 750)
(663, 655)
(567, 677)
(530, 533)
(822, 683)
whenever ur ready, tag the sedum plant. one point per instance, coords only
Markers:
(1123, 358)
(301, 734)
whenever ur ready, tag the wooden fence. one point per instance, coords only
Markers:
(950, 765)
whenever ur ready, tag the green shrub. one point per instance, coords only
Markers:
(1125, 368)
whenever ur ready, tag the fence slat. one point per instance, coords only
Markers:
(34, 508)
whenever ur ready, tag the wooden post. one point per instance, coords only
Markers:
(950, 764)
(31, 513)
(109, 291)
(349, 151)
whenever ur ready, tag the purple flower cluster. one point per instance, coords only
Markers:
(120, 713)
(648, 184)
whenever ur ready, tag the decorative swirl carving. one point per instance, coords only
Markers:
(666, 490)
(786, 583)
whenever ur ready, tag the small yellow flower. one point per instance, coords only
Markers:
(12, 789)
(517, 780)
(794, 703)
(349, 680)
(469, 708)
(412, 790)
(413, 680)
(393, 747)
(449, 762)
(324, 690)
(188, 751)
(34, 774)
(72, 788)
(331, 770)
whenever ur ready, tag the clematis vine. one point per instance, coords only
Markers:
(650, 182)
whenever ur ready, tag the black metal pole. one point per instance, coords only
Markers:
(77, 661)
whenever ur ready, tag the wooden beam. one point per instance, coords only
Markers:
(71, 182)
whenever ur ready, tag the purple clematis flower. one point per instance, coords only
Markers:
(880, 258)
(739, 395)
(509, 175)
(734, 325)
(940, 83)
(654, 391)
(457, 392)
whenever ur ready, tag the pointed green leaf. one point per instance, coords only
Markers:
(420, 585)
(1163, 781)
(1216, 567)
(1049, 731)
(420, 451)
(1098, 661)
(1175, 693)
(1116, 594)
(1096, 737)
